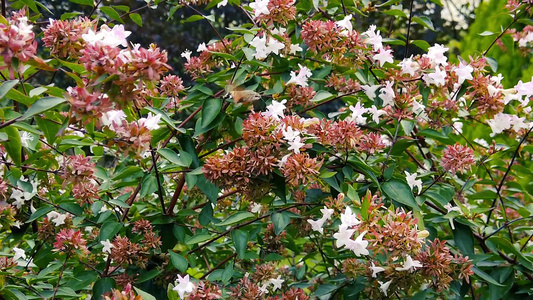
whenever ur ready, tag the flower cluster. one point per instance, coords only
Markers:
(17, 42)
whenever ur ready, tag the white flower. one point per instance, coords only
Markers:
(295, 48)
(376, 270)
(376, 113)
(346, 23)
(186, 54)
(370, 91)
(113, 116)
(357, 113)
(290, 134)
(222, 3)
(449, 207)
(57, 218)
(274, 46)
(464, 72)
(257, 207)
(19, 253)
(184, 286)
(410, 264)
(276, 282)
(387, 94)
(18, 196)
(344, 235)
(151, 122)
(373, 38)
(317, 225)
(260, 7)
(497, 79)
(437, 78)
(275, 109)
(384, 286)
(482, 142)
(348, 218)
(296, 144)
(358, 246)
(384, 56)
(201, 48)
(25, 139)
(499, 123)
(436, 55)
(326, 213)
(264, 288)
(301, 78)
(412, 181)
(409, 66)
(107, 246)
(107, 37)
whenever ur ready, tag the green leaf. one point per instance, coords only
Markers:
(280, 221)
(129, 171)
(240, 241)
(486, 33)
(195, 239)
(83, 2)
(179, 262)
(6, 86)
(492, 63)
(400, 192)
(102, 286)
(40, 212)
(463, 238)
(148, 185)
(13, 145)
(49, 129)
(109, 230)
(135, 17)
(484, 194)
(424, 21)
(504, 245)
(193, 18)
(421, 44)
(236, 218)
(42, 105)
(111, 12)
(228, 273)
(145, 276)
(210, 110)
(485, 276)
(144, 295)
(184, 159)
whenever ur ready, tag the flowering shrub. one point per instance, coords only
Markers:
(129, 184)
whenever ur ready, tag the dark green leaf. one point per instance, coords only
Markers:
(240, 241)
(135, 17)
(424, 21)
(280, 221)
(236, 218)
(102, 286)
(179, 262)
(400, 192)
(42, 105)
(40, 212)
(6, 86)
(111, 12)
(210, 110)
(109, 230)
(83, 2)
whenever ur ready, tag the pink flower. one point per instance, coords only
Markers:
(457, 158)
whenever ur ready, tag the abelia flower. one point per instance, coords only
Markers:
(260, 7)
(19, 253)
(436, 55)
(413, 182)
(464, 72)
(276, 282)
(107, 246)
(70, 239)
(112, 118)
(409, 66)
(301, 78)
(346, 23)
(384, 287)
(17, 41)
(275, 109)
(57, 218)
(357, 113)
(64, 38)
(374, 38)
(384, 56)
(457, 158)
(375, 270)
(150, 122)
(106, 36)
(370, 91)
(376, 113)
(184, 286)
(409, 264)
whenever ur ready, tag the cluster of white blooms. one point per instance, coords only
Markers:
(113, 37)
(344, 236)
(57, 218)
(264, 46)
(20, 196)
(275, 282)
